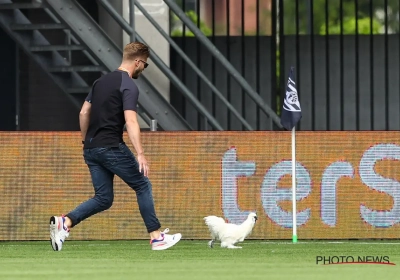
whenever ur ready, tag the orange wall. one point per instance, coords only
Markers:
(193, 175)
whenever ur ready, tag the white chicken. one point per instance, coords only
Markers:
(229, 234)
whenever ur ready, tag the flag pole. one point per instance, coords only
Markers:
(291, 115)
(294, 237)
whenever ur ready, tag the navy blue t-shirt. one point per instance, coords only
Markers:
(110, 96)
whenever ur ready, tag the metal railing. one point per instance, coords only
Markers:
(346, 55)
(160, 64)
(129, 29)
(109, 56)
(227, 64)
(346, 62)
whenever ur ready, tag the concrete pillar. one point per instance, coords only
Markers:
(160, 12)
(109, 25)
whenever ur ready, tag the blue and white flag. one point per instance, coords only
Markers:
(291, 113)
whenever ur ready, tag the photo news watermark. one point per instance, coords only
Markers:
(331, 260)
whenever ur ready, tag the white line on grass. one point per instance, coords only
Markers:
(329, 242)
(145, 243)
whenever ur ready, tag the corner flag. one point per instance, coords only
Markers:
(291, 113)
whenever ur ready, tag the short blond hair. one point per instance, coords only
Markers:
(135, 50)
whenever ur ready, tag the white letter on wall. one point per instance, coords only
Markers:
(231, 170)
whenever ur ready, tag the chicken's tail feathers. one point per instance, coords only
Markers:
(215, 225)
(213, 220)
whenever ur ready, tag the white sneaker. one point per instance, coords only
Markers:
(58, 232)
(165, 241)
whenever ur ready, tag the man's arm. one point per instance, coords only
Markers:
(84, 118)
(133, 128)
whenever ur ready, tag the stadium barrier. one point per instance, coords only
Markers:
(348, 184)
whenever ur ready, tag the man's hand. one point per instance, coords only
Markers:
(133, 128)
(84, 116)
(143, 166)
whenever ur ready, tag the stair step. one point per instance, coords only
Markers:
(77, 68)
(21, 6)
(41, 26)
(57, 48)
(83, 90)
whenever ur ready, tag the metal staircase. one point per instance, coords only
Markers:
(74, 51)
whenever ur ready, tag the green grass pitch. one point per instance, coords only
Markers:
(190, 260)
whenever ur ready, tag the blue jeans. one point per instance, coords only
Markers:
(103, 164)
